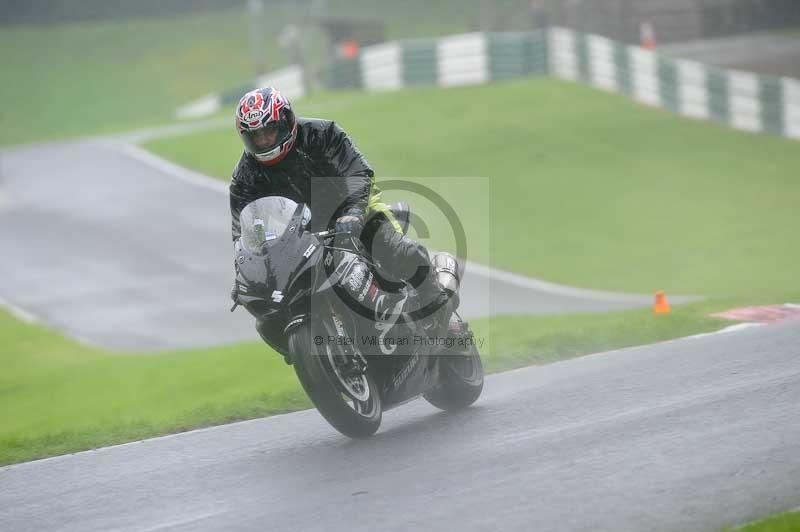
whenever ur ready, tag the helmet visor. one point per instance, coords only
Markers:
(266, 138)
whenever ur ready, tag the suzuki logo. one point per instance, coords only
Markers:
(277, 296)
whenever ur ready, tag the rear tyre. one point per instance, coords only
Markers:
(461, 381)
(352, 405)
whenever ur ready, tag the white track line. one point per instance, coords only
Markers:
(144, 135)
(29, 317)
(557, 289)
(19, 312)
(171, 169)
(726, 330)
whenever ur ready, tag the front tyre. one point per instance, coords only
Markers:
(461, 380)
(350, 403)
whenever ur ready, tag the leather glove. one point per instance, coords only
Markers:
(352, 222)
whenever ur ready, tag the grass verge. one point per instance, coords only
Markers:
(586, 188)
(785, 522)
(59, 396)
(109, 76)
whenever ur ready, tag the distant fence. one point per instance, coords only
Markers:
(742, 100)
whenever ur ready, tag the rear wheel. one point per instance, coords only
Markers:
(461, 381)
(338, 385)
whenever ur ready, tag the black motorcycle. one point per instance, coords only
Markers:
(355, 340)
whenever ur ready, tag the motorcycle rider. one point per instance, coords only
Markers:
(288, 156)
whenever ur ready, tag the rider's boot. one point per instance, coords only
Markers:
(439, 291)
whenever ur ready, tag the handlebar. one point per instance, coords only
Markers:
(354, 242)
(330, 233)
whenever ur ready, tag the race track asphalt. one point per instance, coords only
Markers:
(766, 53)
(122, 249)
(689, 435)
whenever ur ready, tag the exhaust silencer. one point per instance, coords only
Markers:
(447, 271)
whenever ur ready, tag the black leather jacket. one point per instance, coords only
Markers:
(324, 170)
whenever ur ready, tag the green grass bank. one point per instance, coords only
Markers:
(110, 76)
(585, 188)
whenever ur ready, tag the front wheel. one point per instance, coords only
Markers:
(347, 399)
(461, 380)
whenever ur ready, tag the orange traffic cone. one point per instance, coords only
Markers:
(662, 305)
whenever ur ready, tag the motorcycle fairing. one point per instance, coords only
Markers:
(277, 279)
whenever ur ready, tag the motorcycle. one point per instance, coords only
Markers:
(352, 337)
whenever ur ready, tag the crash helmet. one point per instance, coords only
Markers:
(266, 125)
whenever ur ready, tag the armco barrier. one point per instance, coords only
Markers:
(742, 100)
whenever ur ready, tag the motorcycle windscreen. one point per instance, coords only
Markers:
(266, 220)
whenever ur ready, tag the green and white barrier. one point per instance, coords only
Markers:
(462, 60)
(382, 66)
(455, 60)
(743, 100)
(791, 107)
